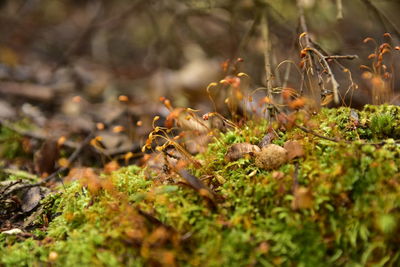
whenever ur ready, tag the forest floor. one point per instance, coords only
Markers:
(310, 190)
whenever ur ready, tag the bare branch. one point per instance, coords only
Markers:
(350, 57)
(382, 17)
(335, 84)
(267, 53)
(339, 7)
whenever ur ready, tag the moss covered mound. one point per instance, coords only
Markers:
(337, 205)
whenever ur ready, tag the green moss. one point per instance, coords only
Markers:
(352, 218)
(373, 122)
(10, 144)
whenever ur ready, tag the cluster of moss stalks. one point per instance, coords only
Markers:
(347, 212)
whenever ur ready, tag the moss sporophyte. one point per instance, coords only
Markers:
(328, 203)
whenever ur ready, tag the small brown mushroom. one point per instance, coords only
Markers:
(271, 157)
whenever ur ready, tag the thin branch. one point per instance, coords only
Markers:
(97, 8)
(303, 24)
(286, 76)
(245, 40)
(34, 135)
(350, 57)
(306, 130)
(55, 174)
(382, 17)
(339, 7)
(267, 52)
(295, 177)
(335, 84)
(304, 30)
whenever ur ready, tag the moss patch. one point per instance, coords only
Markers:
(338, 207)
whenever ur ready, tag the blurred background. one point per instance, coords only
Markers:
(68, 65)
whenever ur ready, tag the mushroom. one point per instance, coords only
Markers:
(271, 157)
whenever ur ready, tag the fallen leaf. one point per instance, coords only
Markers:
(294, 149)
(266, 140)
(31, 199)
(238, 151)
(46, 157)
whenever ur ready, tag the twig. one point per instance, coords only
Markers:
(199, 186)
(267, 52)
(121, 150)
(351, 57)
(86, 31)
(339, 7)
(243, 43)
(295, 176)
(35, 135)
(303, 24)
(71, 159)
(121, 16)
(9, 186)
(155, 220)
(382, 17)
(304, 30)
(304, 129)
(335, 84)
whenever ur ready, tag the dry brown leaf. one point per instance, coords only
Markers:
(46, 157)
(267, 139)
(238, 151)
(31, 199)
(294, 149)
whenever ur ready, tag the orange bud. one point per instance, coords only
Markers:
(388, 35)
(167, 104)
(118, 129)
(366, 75)
(61, 140)
(368, 39)
(63, 162)
(303, 53)
(100, 126)
(77, 99)
(123, 98)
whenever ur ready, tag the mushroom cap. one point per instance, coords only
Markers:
(271, 157)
